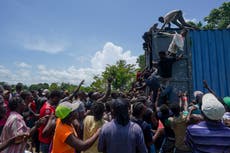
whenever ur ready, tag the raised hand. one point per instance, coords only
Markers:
(82, 82)
(205, 84)
(110, 79)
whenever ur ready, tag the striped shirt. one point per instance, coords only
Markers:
(15, 125)
(208, 137)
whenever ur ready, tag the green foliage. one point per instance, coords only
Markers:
(85, 89)
(54, 86)
(121, 73)
(39, 86)
(141, 62)
(67, 86)
(98, 84)
(197, 25)
(219, 18)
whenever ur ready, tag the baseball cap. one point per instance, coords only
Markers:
(211, 107)
(227, 101)
(65, 108)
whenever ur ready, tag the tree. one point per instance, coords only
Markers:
(54, 86)
(198, 25)
(85, 89)
(122, 73)
(39, 86)
(97, 84)
(67, 86)
(141, 62)
(218, 18)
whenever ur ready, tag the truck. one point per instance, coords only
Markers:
(206, 57)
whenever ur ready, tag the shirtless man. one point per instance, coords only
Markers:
(176, 17)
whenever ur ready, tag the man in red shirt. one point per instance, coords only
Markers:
(48, 108)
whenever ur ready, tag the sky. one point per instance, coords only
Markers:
(70, 40)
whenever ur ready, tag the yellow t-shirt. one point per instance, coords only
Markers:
(90, 127)
(62, 131)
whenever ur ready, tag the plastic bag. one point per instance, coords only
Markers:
(176, 44)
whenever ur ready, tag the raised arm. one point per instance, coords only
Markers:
(107, 93)
(184, 99)
(212, 91)
(188, 117)
(162, 27)
(74, 93)
(157, 99)
(208, 88)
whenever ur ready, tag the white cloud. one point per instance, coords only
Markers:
(41, 67)
(4, 72)
(110, 55)
(193, 20)
(82, 59)
(70, 75)
(23, 75)
(44, 46)
(51, 45)
(19, 75)
(23, 65)
(42, 73)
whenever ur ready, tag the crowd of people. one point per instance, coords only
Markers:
(160, 120)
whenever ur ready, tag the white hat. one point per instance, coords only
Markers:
(211, 107)
(45, 92)
(81, 107)
(196, 93)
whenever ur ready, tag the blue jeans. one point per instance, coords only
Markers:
(44, 148)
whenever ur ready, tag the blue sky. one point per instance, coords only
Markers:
(70, 40)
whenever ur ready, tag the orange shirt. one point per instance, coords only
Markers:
(62, 131)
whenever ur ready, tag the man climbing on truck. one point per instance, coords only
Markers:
(175, 17)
